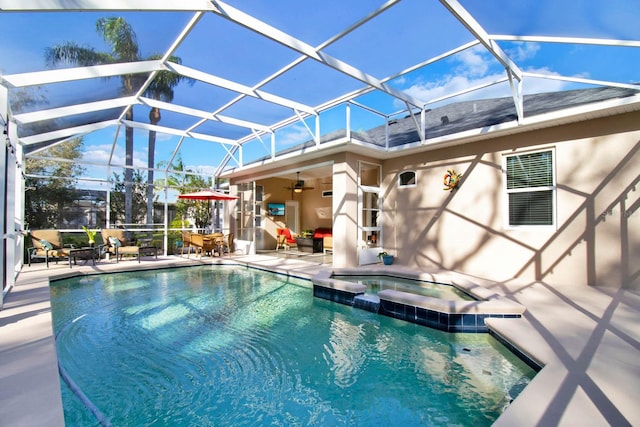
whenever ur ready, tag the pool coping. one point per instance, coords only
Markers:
(587, 338)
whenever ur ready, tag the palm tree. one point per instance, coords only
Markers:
(161, 88)
(121, 37)
(118, 34)
(183, 182)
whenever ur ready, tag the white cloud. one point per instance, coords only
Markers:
(473, 62)
(472, 68)
(292, 135)
(450, 84)
(522, 51)
(99, 153)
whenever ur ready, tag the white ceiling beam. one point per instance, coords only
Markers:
(173, 131)
(299, 46)
(237, 87)
(165, 106)
(567, 40)
(467, 90)
(73, 132)
(581, 80)
(54, 113)
(81, 73)
(120, 5)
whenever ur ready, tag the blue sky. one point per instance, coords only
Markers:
(405, 35)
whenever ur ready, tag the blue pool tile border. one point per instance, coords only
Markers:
(448, 322)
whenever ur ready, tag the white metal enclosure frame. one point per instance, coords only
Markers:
(262, 71)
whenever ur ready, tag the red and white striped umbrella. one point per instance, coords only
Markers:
(207, 195)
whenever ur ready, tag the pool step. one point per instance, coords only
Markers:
(367, 302)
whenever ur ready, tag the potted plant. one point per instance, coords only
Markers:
(91, 235)
(386, 258)
(307, 233)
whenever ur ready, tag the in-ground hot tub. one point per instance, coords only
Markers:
(444, 314)
(378, 283)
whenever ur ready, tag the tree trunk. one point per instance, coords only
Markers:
(154, 118)
(128, 173)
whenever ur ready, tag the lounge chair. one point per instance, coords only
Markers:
(116, 243)
(47, 244)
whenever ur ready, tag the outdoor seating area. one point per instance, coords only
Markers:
(207, 244)
(321, 240)
(48, 245)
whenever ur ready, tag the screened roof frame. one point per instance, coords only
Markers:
(300, 111)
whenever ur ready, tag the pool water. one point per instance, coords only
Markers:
(234, 346)
(376, 284)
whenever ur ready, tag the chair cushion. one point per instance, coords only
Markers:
(54, 237)
(46, 245)
(322, 232)
(128, 250)
(115, 242)
(287, 233)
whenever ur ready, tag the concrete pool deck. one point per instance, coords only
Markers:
(588, 340)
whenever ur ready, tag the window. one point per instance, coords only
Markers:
(530, 189)
(407, 179)
(248, 213)
(370, 176)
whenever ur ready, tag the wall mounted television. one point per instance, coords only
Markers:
(275, 209)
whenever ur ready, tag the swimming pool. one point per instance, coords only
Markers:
(236, 346)
(378, 283)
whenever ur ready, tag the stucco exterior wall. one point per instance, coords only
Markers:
(597, 237)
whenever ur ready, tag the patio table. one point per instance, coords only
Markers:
(86, 253)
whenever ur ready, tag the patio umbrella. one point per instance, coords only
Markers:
(207, 195)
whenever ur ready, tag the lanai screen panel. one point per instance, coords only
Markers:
(254, 68)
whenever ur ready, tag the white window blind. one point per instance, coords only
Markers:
(530, 188)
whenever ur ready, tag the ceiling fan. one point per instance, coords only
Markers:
(298, 186)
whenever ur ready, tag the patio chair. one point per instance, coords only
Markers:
(284, 239)
(116, 243)
(204, 244)
(227, 243)
(186, 242)
(47, 245)
(218, 242)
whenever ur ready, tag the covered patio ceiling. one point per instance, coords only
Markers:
(262, 78)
